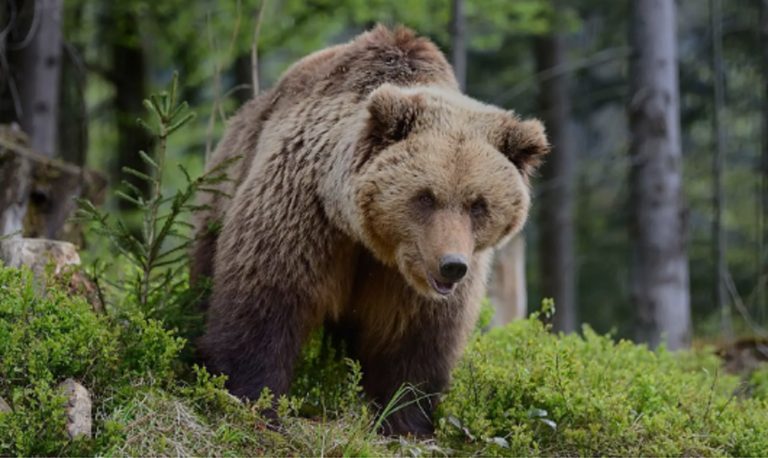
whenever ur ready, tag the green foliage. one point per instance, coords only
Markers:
(42, 342)
(157, 285)
(322, 366)
(45, 339)
(519, 390)
(485, 317)
(522, 391)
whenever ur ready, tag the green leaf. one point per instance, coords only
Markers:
(185, 119)
(128, 198)
(138, 174)
(148, 160)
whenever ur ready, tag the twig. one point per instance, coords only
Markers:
(216, 106)
(711, 395)
(216, 94)
(255, 48)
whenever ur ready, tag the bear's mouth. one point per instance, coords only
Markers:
(441, 287)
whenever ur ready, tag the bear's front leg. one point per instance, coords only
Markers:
(255, 339)
(417, 347)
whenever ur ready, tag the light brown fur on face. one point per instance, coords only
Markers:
(451, 159)
(370, 198)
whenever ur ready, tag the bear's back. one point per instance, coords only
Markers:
(379, 56)
(371, 59)
(349, 71)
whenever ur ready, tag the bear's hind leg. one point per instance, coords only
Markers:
(257, 340)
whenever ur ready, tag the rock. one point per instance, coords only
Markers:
(4, 407)
(38, 253)
(79, 420)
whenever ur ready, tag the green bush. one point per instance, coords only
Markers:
(47, 338)
(522, 391)
(326, 380)
(44, 340)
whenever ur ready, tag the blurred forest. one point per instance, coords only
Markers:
(73, 76)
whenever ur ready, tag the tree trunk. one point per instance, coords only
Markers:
(73, 121)
(9, 103)
(128, 74)
(762, 262)
(39, 74)
(659, 279)
(718, 234)
(73, 112)
(459, 43)
(507, 289)
(556, 201)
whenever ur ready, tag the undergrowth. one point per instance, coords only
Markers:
(519, 390)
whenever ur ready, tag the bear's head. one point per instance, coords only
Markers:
(441, 177)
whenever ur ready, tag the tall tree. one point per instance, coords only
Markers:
(39, 70)
(762, 262)
(459, 42)
(556, 200)
(659, 275)
(73, 112)
(128, 73)
(718, 234)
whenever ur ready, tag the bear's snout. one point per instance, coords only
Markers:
(453, 267)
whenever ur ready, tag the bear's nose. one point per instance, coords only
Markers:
(453, 267)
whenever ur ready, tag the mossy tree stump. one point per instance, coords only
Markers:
(37, 195)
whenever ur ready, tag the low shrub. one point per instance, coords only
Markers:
(47, 338)
(521, 390)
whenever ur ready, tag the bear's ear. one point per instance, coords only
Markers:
(524, 143)
(393, 114)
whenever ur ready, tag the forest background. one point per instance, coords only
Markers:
(566, 62)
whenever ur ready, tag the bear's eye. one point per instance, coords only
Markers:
(426, 200)
(478, 208)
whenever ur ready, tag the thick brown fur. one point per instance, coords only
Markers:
(363, 167)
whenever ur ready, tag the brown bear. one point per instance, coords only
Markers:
(370, 198)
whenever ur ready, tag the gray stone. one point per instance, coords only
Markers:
(79, 404)
(4, 407)
(38, 253)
